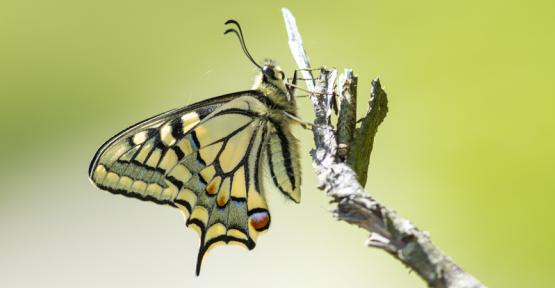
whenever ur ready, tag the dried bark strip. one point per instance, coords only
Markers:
(347, 113)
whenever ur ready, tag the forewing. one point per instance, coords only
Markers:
(132, 162)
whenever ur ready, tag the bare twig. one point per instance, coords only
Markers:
(297, 48)
(389, 232)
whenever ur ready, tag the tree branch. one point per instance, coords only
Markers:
(332, 163)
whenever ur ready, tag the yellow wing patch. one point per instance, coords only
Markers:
(236, 149)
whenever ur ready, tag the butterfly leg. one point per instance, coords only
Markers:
(305, 90)
(304, 124)
(308, 69)
(293, 85)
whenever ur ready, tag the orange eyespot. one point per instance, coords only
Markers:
(260, 220)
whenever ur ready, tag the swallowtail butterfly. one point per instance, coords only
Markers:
(210, 159)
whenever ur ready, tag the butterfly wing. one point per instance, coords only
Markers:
(205, 159)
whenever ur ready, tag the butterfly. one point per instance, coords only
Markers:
(214, 160)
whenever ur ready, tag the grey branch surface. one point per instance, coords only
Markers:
(340, 159)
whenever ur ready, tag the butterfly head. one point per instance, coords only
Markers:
(272, 73)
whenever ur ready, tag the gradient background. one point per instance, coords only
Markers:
(466, 152)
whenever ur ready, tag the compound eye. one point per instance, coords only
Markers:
(269, 72)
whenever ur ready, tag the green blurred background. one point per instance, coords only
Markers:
(466, 152)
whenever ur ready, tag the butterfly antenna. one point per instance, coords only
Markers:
(241, 40)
